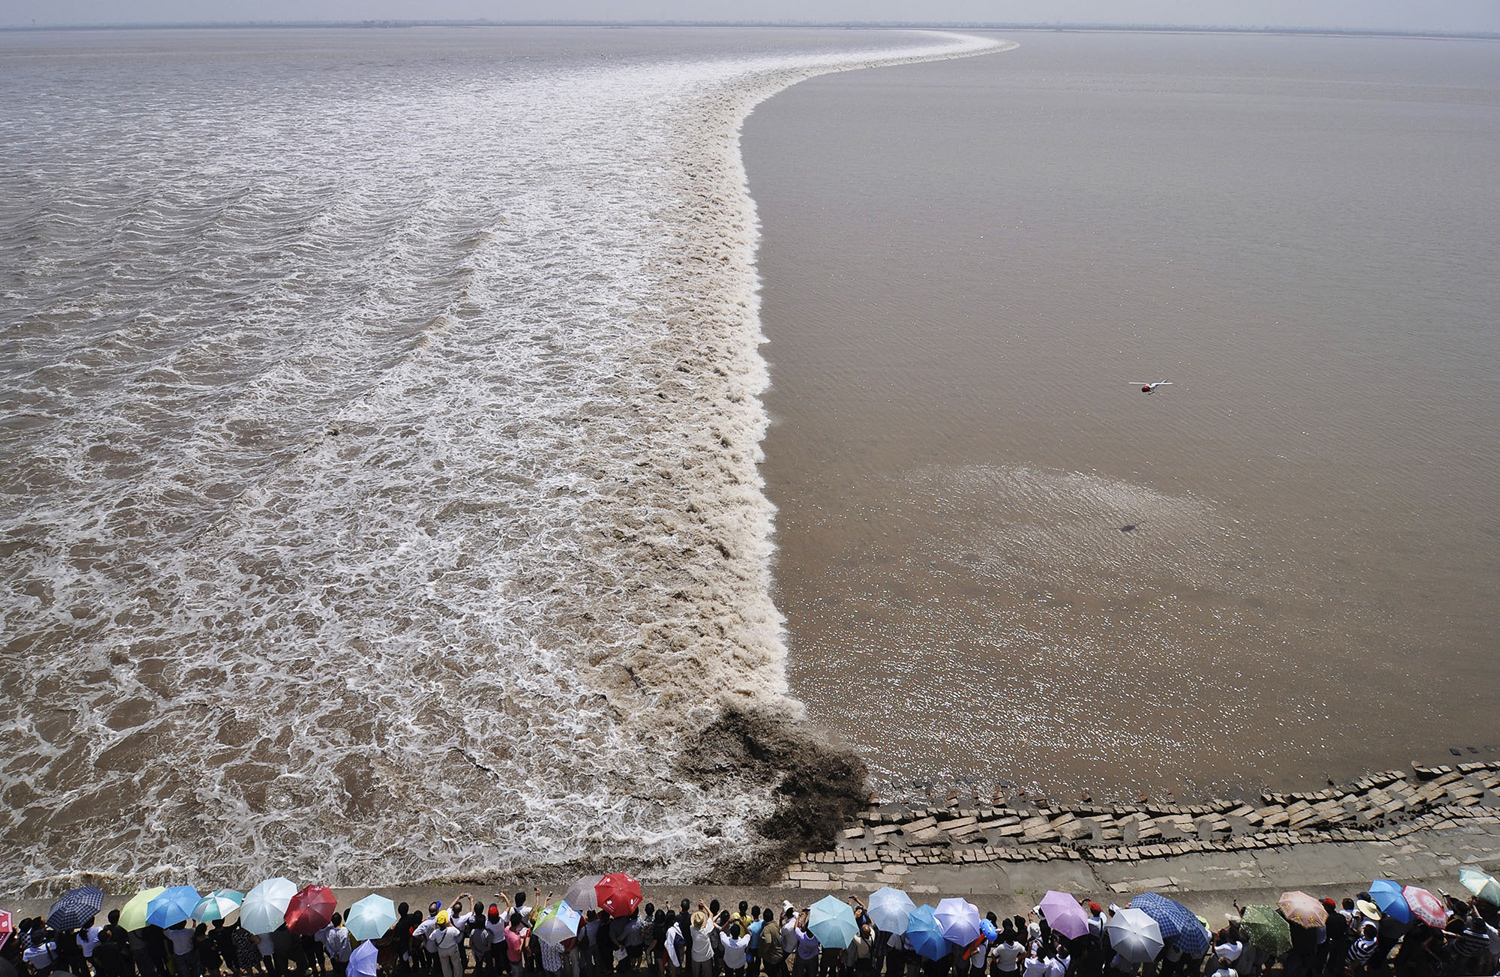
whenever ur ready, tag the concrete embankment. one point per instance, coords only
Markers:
(1421, 825)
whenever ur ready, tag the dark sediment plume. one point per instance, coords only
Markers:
(821, 787)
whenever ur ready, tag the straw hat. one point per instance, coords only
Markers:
(1368, 910)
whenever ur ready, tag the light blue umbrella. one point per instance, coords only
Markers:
(364, 960)
(371, 917)
(924, 934)
(1387, 896)
(889, 909)
(173, 906)
(832, 921)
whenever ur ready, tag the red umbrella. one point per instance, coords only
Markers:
(1428, 907)
(310, 910)
(618, 894)
(5, 927)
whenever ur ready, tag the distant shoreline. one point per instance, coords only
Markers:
(764, 25)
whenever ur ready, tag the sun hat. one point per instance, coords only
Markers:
(1368, 910)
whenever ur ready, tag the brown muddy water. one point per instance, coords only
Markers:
(998, 559)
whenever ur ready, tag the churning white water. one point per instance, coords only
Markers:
(379, 423)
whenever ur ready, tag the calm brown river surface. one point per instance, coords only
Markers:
(998, 559)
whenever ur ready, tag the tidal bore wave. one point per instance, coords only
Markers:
(380, 491)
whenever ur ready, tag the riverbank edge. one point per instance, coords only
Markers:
(886, 844)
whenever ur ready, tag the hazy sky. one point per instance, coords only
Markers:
(1439, 15)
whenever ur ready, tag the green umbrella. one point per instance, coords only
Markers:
(1267, 930)
(133, 915)
(1482, 884)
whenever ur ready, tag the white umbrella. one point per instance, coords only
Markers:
(581, 895)
(362, 961)
(889, 909)
(958, 921)
(264, 907)
(1135, 936)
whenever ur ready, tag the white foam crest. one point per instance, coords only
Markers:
(414, 527)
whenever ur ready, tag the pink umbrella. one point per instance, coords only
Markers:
(1428, 907)
(1064, 914)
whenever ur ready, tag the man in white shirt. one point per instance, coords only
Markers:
(735, 941)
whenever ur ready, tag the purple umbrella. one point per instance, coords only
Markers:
(1064, 914)
(958, 921)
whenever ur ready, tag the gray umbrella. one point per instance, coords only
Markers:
(581, 895)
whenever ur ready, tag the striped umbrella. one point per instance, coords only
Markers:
(218, 904)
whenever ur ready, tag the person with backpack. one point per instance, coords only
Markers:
(443, 942)
(858, 959)
(675, 945)
(479, 937)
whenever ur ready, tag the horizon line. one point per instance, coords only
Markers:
(383, 23)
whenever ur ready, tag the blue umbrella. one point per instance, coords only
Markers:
(832, 921)
(889, 909)
(1176, 921)
(173, 906)
(924, 934)
(1388, 898)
